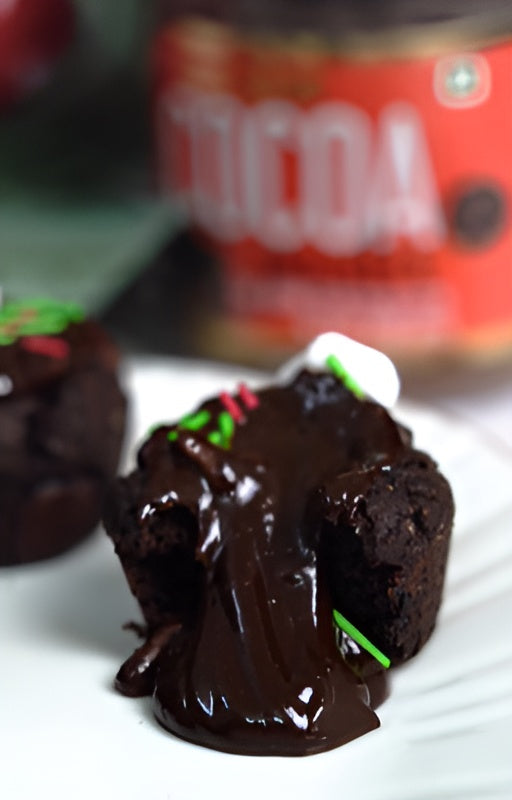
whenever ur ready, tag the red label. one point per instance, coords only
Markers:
(371, 197)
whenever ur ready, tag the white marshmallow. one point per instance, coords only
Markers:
(372, 370)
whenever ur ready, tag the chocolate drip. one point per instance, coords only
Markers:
(136, 677)
(257, 669)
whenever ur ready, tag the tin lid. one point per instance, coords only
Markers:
(375, 27)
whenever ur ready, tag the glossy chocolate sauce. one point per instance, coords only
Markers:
(255, 667)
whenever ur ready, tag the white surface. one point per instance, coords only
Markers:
(446, 729)
(480, 394)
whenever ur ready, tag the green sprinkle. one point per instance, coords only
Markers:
(190, 422)
(358, 637)
(194, 422)
(226, 424)
(38, 316)
(340, 372)
(223, 436)
(215, 437)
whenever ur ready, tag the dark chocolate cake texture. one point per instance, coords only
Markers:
(243, 527)
(62, 417)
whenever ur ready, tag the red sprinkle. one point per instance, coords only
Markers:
(231, 406)
(50, 346)
(249, 399)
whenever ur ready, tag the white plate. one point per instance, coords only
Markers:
(446, 729)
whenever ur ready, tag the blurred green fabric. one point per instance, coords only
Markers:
(79, 217)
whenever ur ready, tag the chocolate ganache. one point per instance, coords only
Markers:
(220, 534)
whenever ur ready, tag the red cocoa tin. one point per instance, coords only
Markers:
(365, 189)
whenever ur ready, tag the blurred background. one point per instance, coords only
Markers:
(78, 213)
(226, 178)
